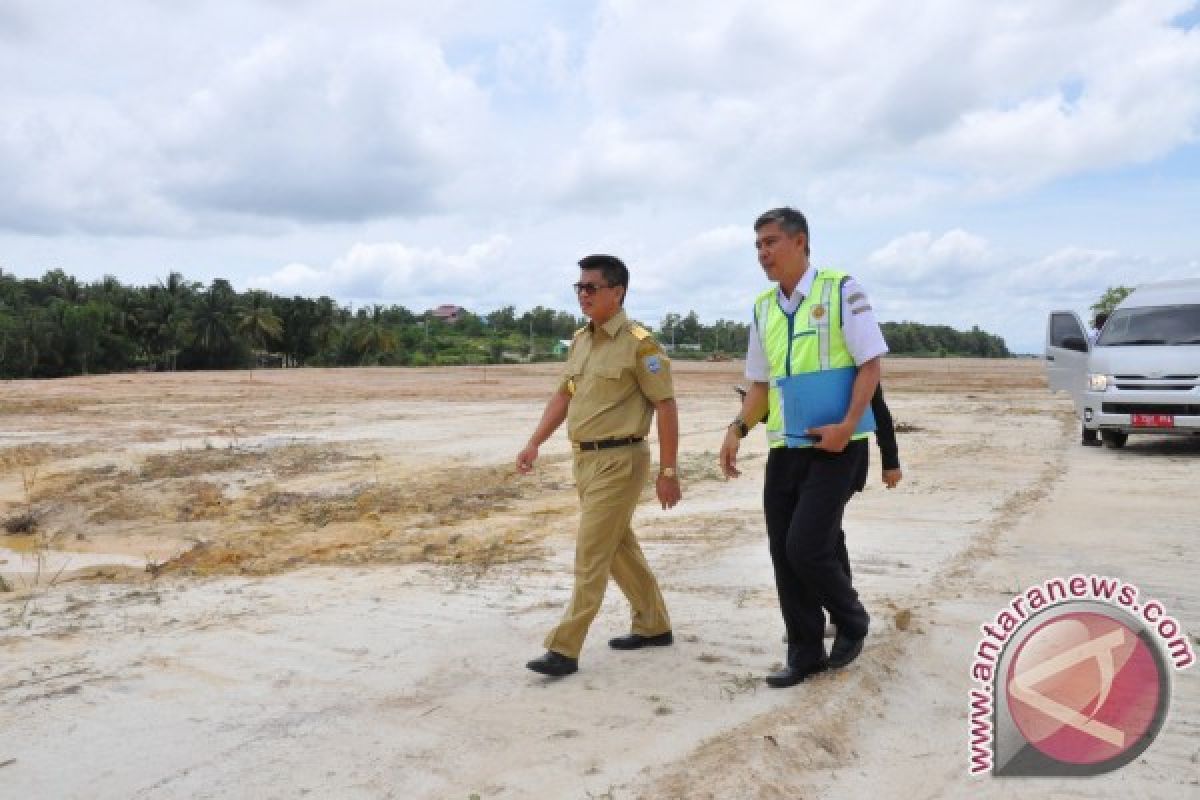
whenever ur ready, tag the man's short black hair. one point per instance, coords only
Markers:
(1101, 318)
(612, 268)
(790, 221)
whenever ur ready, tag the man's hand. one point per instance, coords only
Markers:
(669, 492)
(525, 459)
(892, 476)
(729, 451)
(831, 438)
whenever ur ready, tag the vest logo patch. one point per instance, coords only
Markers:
(818, 312)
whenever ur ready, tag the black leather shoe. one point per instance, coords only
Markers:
(790, 676)
(635, 641)
(844, 650)
(1091, 443)
(554, 664)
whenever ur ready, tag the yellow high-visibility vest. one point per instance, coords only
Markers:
(808, 340)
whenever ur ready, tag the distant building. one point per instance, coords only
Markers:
(449, 313)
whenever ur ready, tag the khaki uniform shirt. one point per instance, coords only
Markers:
(615, 374)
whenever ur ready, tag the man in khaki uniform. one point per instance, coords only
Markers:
(616, 379)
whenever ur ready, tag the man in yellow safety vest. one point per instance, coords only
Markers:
(813, 321)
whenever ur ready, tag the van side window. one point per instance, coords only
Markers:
(1062, 326)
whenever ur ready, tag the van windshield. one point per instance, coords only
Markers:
(1150, 326)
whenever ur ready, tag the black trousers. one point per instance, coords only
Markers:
(804, 495)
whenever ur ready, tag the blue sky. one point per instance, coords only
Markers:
(969, 162)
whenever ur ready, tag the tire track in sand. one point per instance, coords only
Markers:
(780, 753)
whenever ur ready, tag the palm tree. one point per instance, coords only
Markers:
(213, 319)
(258, 323)
(373, 338)
(169, 326)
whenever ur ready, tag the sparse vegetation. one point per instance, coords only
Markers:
(250, 515)
(733, 685)
(1111, 298)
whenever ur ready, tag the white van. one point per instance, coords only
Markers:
(1142, 375)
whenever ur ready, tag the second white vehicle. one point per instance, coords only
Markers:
(1142, 375)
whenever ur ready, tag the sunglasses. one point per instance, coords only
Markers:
(590, 288)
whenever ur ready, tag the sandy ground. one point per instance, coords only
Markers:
(326, 583)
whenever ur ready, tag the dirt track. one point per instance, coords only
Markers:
(328, 580)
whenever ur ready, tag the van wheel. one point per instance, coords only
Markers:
(1114, 439)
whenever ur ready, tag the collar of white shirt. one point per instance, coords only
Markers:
(790, 304)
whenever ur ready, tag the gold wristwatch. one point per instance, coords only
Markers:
(668, 472)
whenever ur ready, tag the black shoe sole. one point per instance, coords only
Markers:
(542, 668)
(662, 640)
(797, 677)
(553, 673)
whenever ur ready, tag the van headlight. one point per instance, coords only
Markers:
(1097, 383)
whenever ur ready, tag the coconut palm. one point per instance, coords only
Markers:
(373, 338)
(213, 320)
(257, 322)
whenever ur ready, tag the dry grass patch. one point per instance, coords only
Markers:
(291, 459)
(428, 517)
(40, 405)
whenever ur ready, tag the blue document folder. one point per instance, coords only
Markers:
(813, 399)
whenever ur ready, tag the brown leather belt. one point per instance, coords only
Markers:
(605, 444)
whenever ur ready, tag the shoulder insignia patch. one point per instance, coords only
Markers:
(639, 332)
(578, 332)
(653, 364)
(648, 347)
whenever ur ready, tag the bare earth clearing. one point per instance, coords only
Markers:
(326, 583)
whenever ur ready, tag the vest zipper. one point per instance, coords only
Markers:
(791, 318)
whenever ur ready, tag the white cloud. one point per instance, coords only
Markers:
(1073, 269)
(304, 124)
(917, 258)
(395, 273)
(542, 60)
(232, 138)
(323, 112)
(991, 99)
(306, 129)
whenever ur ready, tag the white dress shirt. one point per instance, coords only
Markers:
(863, 337)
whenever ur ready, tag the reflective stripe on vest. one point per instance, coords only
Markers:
(808, 340)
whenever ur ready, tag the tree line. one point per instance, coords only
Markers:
(915, 339)
(56, 326)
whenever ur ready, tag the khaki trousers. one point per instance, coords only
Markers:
(609, 483)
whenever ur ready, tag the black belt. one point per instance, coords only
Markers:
(605, 444)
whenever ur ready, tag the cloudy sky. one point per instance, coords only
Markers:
(970, 162)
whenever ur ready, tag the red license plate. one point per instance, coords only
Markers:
(1154, 420)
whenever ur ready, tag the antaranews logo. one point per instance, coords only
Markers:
(1072, 678)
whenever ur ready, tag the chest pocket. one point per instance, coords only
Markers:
(573, 371)
(606, 383)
